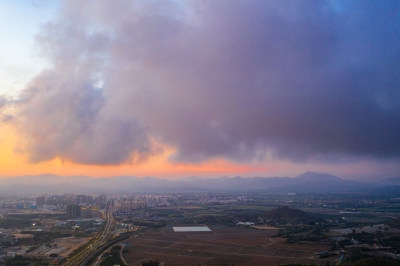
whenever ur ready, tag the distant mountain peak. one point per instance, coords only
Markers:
(317, 176)
(309, 182)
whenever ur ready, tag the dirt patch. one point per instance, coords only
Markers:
(68, 244)
(265, 227)
(229, 245)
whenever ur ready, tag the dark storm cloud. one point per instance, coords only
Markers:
(232, 79)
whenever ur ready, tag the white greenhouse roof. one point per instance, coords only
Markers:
(191, 229)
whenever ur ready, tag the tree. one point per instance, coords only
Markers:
(150, 263)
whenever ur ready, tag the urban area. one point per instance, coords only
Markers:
(200, 229)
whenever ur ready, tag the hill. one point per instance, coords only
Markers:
(308, 182)
(284, 214)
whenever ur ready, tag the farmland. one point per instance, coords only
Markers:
(223, 245)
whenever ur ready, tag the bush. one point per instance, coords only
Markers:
(150, 263)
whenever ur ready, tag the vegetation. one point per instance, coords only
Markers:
(21, 261)
(151, 224)
(43, 236)
(284, 215)
(150, 263)
(112, 258)
(374, 262)
(296, 264)
(15, 222)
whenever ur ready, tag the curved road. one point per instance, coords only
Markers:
(83, 256)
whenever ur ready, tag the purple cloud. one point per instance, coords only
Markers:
(231, 79)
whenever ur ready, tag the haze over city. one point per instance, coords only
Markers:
(200, 132)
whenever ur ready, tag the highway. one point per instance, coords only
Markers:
(84, 255)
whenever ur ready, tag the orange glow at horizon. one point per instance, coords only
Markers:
(13, 163)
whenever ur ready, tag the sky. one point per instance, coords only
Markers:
(211, 88)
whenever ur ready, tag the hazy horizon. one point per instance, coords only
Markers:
(215, 177)
(268, 131)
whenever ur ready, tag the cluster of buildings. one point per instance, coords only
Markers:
(220, 199)
(77, 206)
(67, 199)
(129, 205)
(78, 211)
(126, 205)
(20, 204)
(150, 200)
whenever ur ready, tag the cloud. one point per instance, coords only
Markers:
(240, 80)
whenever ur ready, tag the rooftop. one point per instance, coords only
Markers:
(191, 229)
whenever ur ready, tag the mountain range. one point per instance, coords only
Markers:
(308, 182)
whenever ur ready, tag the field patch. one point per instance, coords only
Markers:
(226, 245)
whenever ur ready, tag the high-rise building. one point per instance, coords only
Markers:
(41, 200)
(94, 212)
(85, 212)
(73, 211)
(138, 205)
(83, 199)
(101, 201)
(127, 205)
